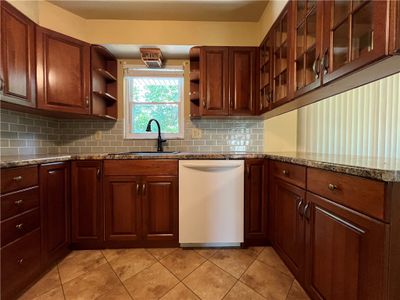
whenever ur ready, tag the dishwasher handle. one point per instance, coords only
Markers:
(211, 167)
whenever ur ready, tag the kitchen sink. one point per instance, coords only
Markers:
(145, 153)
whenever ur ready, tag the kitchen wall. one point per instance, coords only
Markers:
(23, 133)
(364, 121)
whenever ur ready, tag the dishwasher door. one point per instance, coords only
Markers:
(211, 203)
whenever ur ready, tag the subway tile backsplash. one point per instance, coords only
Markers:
(23, 133)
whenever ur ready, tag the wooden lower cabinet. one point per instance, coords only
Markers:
(141, 211)
(288, 224)
(55, 210)
(160, 208)
(87, 225)
(255, 202)
(344, 252)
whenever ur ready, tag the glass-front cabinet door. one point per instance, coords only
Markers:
(354, 36)
(265, 74)
(280, 61)
(308, 44)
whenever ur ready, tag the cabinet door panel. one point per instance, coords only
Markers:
(122, 208)
(289, 224)
(87, 216)
(214, 81)
(54, 181)
(63, 72)
(17, 57)
(345, 255)
(355, 37)
(255, 203)
(160, 208)
(242, 98)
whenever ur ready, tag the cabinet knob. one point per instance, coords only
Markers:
(17, 178)
(285, 172)
(1, 84)
(204, 104)
(20, 226)
(87, 101)
(98, 173)
(18, 202)
(20, 261)
(332, 187)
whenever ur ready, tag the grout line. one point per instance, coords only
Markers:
(62, 285)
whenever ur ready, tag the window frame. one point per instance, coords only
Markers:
(177, 71)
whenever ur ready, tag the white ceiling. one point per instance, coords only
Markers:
(133, 51)
(179, 10)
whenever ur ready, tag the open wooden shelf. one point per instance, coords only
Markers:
(107, 75)
(108, 97)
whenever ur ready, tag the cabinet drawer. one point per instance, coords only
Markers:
(15, 203)
(18, 178)
(365, 195)
(291, 173)
(141, 167)
(18, 226)
(20, 264)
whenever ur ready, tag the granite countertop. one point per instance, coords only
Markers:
(375, 168)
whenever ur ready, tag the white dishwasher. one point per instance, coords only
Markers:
(211, 203)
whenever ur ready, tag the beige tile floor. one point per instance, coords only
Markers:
(254, 273)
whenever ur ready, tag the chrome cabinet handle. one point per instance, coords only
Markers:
(332, 187)
(20, 226)
(325, 62)
(248, 170)
(1, 84)
(299, 206)
(20, 261)
(98, 173)
(17, 178)
(285, 172)
(87, 101)
(204, 104)
(18, 202)
(306, 211)
(144, 188)
(314, 67)
(137, 188)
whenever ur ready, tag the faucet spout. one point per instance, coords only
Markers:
(160, 141)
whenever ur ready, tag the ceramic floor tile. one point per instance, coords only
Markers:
(117, 293)
(92, 284)
(296, 292)
(180, 292)
(160, 253)
(254, 251)
(233, 261)
(182, 262)
(242, 292)
(54, 294)
(48, 282)
(267, 281)
(209, 281)
(269, 257)
(206, 252)
(78, 263)
(151, 283)
(128, 262)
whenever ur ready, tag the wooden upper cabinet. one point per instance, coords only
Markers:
(160, 208)
(63, 72)
(394, 27)
(214, 81)
(345, 252)
(86, 204)
(307, 40)
(266, 63)
(281, 51)
(255, 202)
(54, 191)
(354, 36)
(243, 80)
(17, 67)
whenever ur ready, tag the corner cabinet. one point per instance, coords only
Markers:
(17, 67)
(63, 72)
(355, 36)
(55, 210)
(255, 202)
(345, 252)
(87, 226)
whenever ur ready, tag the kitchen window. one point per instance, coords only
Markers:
(153, 94)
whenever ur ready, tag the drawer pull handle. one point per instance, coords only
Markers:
(20, 261)
(299, 206)
(332, 187)
(144, 189)
(17, 178)
(306, 212)
(20, 226)
(285, 172)
(18, 202)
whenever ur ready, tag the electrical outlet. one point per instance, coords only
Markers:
(97, 136)
(196, 133)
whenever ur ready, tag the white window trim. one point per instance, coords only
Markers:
(140, 70)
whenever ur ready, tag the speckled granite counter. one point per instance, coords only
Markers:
(380, 169)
